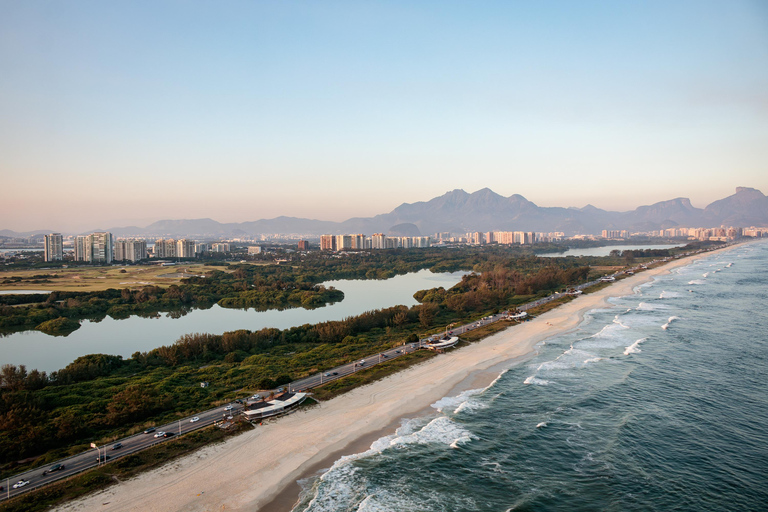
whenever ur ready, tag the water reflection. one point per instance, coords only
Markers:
(126, 336)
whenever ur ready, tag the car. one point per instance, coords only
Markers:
(327, 374)
(193, 420)
(149, 430)
(398, 351)
(20, 483)
(56, 467)
(334, 373)
(160, 434)
(168, 434)
(103, 458)
(384, 355)
(117, 446)
(228, 408)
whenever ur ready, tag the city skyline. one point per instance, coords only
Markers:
(154, 111)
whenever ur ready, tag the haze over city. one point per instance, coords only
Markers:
(126, 114)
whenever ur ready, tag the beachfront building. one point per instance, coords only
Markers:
(278, 405)
(54, 247)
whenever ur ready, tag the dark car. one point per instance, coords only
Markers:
(167, 434)
(103, 458)
(117, 446)
(55, 467)
(149, 430)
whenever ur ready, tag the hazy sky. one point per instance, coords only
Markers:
(119, 113)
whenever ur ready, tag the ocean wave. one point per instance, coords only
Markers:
(668, 295)
(542, 424)
(669, 321)
(453, 403)
(634, 348)
(697, 281)
(536, 382)
(592, 360)
(646, 306)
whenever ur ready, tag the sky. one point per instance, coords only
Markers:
(124, 113)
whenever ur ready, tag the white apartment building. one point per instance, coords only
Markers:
(130, 250)
(185, 248)
(54, 247)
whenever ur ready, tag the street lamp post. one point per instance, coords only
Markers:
(98, 454)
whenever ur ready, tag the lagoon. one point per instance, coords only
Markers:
(124, 337)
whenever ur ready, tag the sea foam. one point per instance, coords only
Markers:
(536, 382)
(634, 348)
(669, 321)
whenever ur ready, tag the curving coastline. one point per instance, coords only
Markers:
(258, 470)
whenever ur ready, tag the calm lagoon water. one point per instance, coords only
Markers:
(124, 337)
(657, 403)
(605, 250)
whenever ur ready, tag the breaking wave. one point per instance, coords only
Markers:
(669, 321)
(634, 348)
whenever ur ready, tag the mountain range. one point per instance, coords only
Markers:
(458, 211)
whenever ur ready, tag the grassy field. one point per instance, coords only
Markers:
(89, 279)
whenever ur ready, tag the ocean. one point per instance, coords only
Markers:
(659, 402)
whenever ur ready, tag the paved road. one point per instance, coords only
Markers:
(132, 444)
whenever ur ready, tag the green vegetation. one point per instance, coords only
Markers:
(60, 326)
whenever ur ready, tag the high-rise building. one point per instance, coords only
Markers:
(358, 241)
(327, 243)
(100, 247)
(378, 241)
(303, 245)
(343, 242)
(254, 249)
(165, 248)
(54, 247)
(220, 247)
(185, 248)
(130, 250)
(81, 248)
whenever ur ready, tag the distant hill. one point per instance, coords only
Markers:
(458, 211)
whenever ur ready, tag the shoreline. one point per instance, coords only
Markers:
(259, 470)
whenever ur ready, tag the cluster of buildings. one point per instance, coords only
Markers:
(512, 237)
(720, 234)
(101, 247)
(375, 241)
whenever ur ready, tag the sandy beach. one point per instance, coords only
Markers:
(258, 470)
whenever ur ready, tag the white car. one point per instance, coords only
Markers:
(228, 408)
(20, 483)
(194, 419)
(160, 434)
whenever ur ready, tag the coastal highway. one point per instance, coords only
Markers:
(86, 460)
